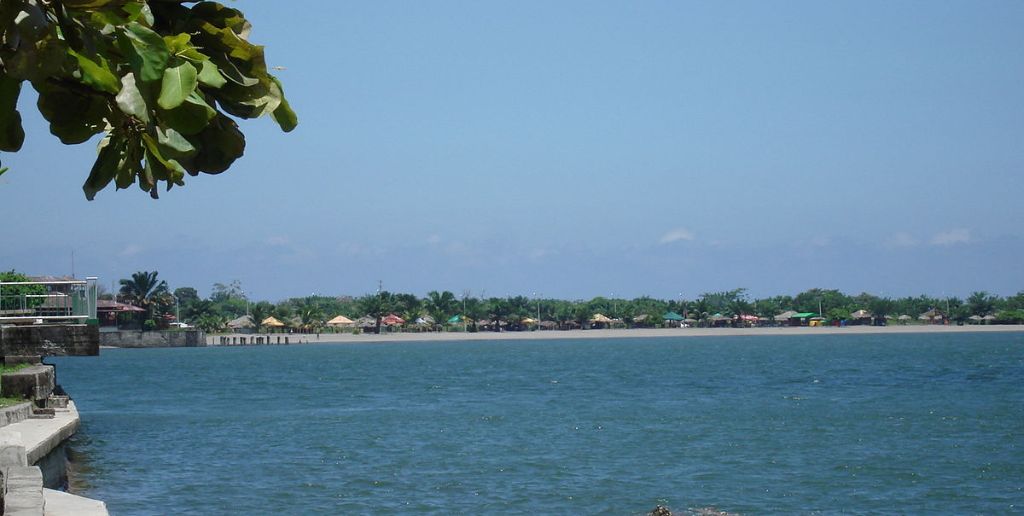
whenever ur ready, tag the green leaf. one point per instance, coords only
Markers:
(222, 17)
(210, 76)
(103, 171)
(179, 82)
(130, 163)
(177, 43)
(283, 115)
(130, 99)
(172, 171)
(37, 60)
(149, 49)
(12, 135)
(89, 4)
(97, 75)
(220, 144)
(249, 102)
(75, 114)
(180, 45)
(233, 73)
(173, 144)
(191, 117)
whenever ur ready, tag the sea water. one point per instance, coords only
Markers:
(861, 423)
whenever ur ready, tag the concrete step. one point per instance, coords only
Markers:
(59, 503)
(23, 491)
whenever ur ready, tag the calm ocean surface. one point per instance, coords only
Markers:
(887, 423)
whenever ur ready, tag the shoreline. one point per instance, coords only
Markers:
(644, 333)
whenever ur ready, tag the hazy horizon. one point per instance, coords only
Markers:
(583, 149)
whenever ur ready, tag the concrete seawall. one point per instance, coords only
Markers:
(24, 443)
(153, 339)
(49, 340)
(33, 433)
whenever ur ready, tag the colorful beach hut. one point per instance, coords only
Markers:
(341, 322)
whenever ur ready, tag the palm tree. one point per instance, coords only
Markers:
(981, 303)
(198, 309)
(475, 310)
(498, 310)
(441, 306)
(701, 310)
(143, 290)
(375, 305)
(738, 307)
(312, 317)
(258, 312)
(408, 306)
(210, 322)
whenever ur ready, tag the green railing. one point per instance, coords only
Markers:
(27, 302)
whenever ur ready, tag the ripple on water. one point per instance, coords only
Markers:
(756, 425)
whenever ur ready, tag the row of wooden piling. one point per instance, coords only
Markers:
(254, 340)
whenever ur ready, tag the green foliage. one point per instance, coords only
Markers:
(823, 299)
(4, 368)
(1014, 316)
(376, 305)
(156, 77)
(210, 323)
(981, 303)
(149, 325)
(8, 402)
(838, 314)
(13, 297)
(311, 316)
(222, 292)
(143, 289)
(408, 306)
(186, 295)
(442, 306)
(258, 312)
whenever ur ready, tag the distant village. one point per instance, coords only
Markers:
(145, 303)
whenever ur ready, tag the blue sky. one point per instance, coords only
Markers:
(578, 149)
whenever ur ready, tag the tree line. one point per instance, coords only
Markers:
(446, 310)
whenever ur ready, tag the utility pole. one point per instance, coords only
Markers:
(465, 294)
(537, 297)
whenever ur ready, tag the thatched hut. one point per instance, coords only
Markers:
(861, 316)
(242, 324)
(341, 322)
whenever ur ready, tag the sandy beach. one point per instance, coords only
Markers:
(626, 333)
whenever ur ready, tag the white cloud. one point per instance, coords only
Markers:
(952, 237)
(538, 254)
(901, 240)
(131, 250)
(676, 235)
(820, 241)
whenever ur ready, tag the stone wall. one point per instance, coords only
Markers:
(153, 339)
(32, 383)
(50, 340)
(15, 413)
